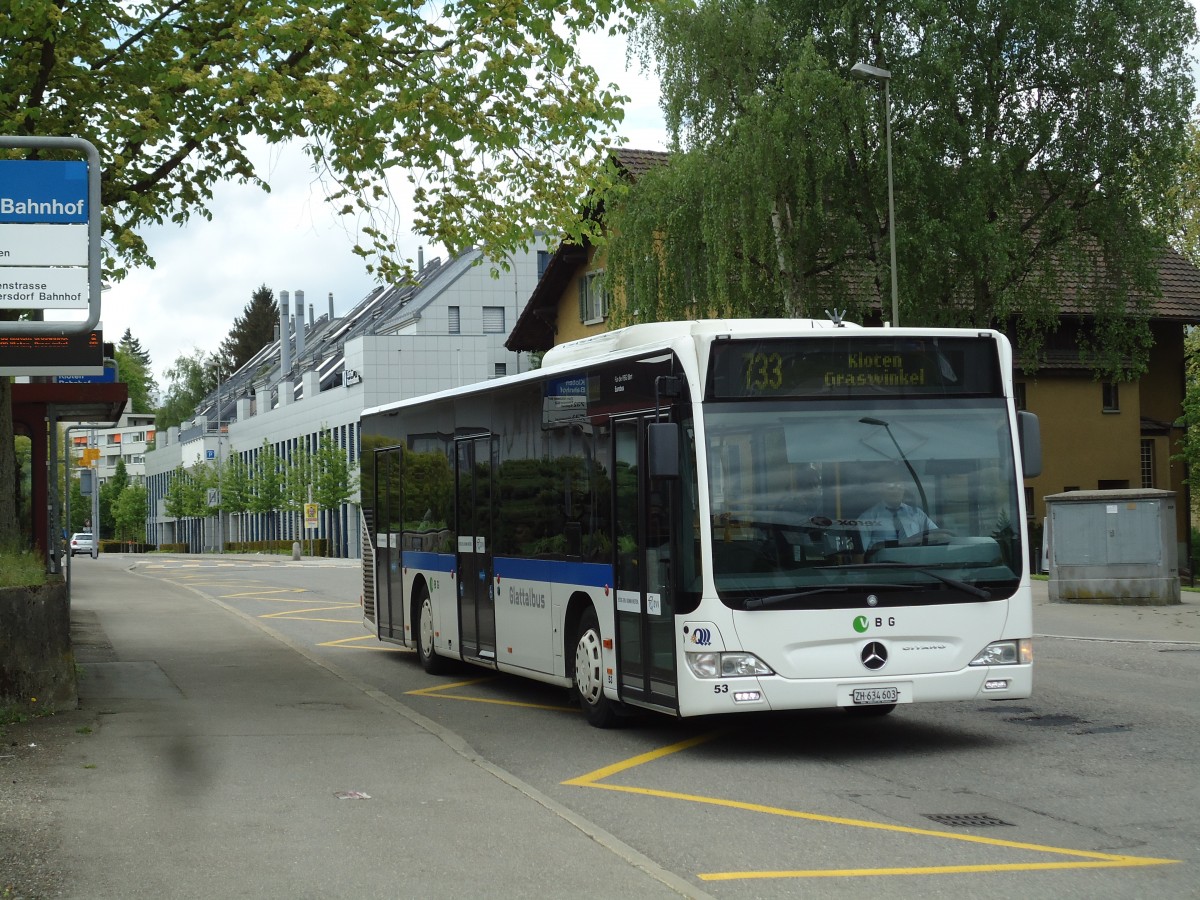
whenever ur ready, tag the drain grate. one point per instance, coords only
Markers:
(967, 820)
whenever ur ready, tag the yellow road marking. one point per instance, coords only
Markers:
(380, 648)
(1117, 862)
(1086, 859)
(297, 613)
(439, 690)
(264, 594)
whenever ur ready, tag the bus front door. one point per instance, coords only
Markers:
(475, 512)
(644, 596)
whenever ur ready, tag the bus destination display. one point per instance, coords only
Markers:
(844, 368)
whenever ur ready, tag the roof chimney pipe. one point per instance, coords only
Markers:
(285, 334)
(331, 306)
(299, 325)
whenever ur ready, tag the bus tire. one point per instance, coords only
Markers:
(430, 661)
(589, 674)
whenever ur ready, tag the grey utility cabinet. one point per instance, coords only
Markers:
(1114, 547)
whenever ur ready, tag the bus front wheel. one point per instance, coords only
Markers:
(430, 661)
(589, 674)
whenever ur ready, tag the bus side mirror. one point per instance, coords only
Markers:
(1029, 432)
(662, 448)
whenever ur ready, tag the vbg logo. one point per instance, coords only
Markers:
(702, 637)
(861, 624)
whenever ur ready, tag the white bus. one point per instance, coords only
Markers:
(715, 517)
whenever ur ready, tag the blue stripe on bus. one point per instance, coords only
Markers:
(557, 571)
(430, 562)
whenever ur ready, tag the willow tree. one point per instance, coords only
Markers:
(1034, 146)
(483, 106)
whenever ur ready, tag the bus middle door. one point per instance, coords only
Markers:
(645, 593)
(475, 506)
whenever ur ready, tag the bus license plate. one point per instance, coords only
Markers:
(875, 696)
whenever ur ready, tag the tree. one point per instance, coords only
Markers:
(110, 491)
(252, 330)
(267, 479)
(136, 376)
(133, 347)
(483, 106)
(334, 481)
(129, 513)
(1034, 146)
(189, 381)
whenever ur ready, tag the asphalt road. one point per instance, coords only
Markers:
(1088, 789)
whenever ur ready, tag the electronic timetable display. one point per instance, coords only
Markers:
(862, 366)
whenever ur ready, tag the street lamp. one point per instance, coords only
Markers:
(862, 70)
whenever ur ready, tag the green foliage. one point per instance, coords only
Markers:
(135, 374)
(20, 567)
(1189, 443)
(236, 485)
(334, 480)
(190, 379)
(1185, 230)
(187, 493)
(133, 368)
(268, 480)
(252, 330)
(483, 106)
(129, 513)
(1036, 149)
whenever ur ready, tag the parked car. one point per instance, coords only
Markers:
(81, 542)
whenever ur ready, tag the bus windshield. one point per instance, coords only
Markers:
(907, 500)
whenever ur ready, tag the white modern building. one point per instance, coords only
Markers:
(127, 441)
(445, 330)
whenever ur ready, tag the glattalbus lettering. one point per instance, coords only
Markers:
(31, 207)
(519, 596)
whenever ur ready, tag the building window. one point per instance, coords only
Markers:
(543, 260)
(493, 320)
(501, 370)
(1112, 400)
(1148, 464)
(593, 298)
(453, 314)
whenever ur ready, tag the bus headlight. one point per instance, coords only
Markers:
(726, 665)
(1005, 653)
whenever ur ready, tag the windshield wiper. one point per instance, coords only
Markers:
(775, 599)
(944, 579)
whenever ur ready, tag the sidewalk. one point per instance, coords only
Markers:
(208, 760)
(1165, 624)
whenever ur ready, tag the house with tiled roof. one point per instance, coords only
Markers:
(569, 301)
(1096, 435)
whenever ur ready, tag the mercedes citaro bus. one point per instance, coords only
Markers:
(715, 517)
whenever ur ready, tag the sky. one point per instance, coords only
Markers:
(289, 240)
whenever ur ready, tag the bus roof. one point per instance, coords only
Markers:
(651, 333)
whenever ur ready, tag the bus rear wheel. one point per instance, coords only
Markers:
(430, 661)
(589, 674)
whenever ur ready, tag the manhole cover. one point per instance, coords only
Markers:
(966, 820)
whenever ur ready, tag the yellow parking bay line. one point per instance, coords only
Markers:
(439, 690)
(378, 647)
(1082, 859)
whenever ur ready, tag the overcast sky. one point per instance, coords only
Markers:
(289, 240)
